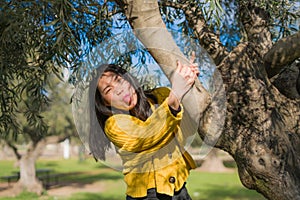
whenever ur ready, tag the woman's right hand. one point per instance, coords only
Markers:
(182, 80)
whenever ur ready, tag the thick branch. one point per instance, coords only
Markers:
(284, 52)
(56, 139)
(255, 22)
(145, 19)
(40, 145)
(208, 39)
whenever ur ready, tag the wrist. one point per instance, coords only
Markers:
(174, 100)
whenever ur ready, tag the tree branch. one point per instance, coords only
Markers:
(39, 146)
(283, 53)
(208, 39)
(14, 148)
(56, 139)
(96, 14)
(255, 22)
(149, 28)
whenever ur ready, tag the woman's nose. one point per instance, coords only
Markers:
(118, 89)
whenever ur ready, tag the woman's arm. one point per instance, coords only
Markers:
(133, 135)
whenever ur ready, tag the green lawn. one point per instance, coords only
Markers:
(201, 186)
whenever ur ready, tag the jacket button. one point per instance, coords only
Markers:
(172, 179)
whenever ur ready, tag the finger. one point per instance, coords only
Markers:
(193, 57)
(196, 71)
(179, 66)
(185, 70)
(191, 80)
(194, 67)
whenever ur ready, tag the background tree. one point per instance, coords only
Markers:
(38, 39)
(57, 115)
(261, 129)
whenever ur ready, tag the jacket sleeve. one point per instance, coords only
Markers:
(134, 135)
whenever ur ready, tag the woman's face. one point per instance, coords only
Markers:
(116, 91)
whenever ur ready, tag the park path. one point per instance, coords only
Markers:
(59, 191)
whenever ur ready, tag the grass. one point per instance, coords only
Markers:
(201, 186)
(219, 186)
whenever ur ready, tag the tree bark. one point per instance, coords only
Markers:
(286, 81)
(262, 124)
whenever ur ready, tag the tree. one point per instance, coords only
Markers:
(36, 43)
(58, 116)
(261, 130)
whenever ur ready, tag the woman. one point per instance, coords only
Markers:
(144, 126)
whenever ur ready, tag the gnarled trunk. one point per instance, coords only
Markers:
(261, 129)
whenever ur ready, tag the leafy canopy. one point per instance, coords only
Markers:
(43, 37)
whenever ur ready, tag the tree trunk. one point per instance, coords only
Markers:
(262, 125)
(261, 130)
(28, 180)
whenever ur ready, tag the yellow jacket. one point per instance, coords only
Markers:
(152, 150)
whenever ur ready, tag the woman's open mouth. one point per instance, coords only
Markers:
(127, 99)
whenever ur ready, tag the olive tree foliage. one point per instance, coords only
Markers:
(39, 39)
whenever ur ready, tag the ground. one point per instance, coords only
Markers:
(62, 190)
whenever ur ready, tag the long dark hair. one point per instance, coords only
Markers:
(98, 142)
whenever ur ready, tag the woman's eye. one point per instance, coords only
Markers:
(119, 79)
(107, 90)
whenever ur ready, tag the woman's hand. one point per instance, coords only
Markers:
(182, 80)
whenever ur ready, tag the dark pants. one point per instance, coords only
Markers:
(182, 194)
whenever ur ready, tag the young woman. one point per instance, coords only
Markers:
(144, 126)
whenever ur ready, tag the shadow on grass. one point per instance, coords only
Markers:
(89, 178)
(79, 179)
(210, 193)
(227, 192)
